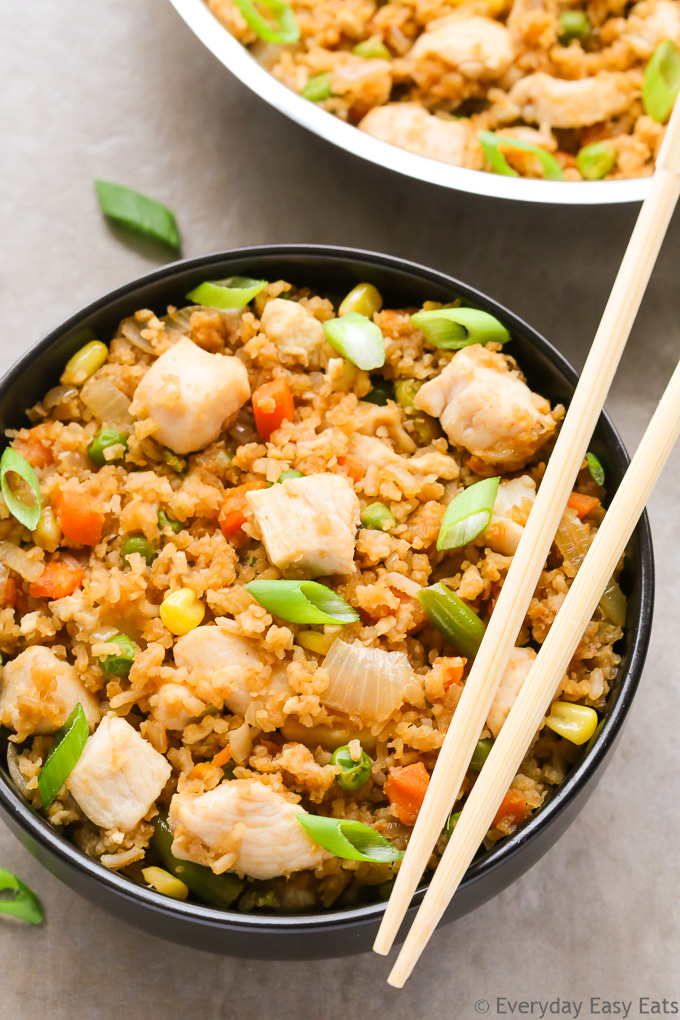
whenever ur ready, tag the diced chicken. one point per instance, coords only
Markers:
(38, 692)
(174, 707)
(513, 500)
(486, 408)
(558, 103)
(191, 395)
(308, 524)
(298, 336)
(229, 662)
(118, 776)
(409, 126)
(516, 672)
(477, 47)
(242, 826)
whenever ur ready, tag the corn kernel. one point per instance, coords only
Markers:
(181, 611)
(163, 882)
(573, 722)
(314, 641)
(47, 533)
(84, 363)
(364, 299)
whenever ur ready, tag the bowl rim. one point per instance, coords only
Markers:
(237, 59)
(49, 839)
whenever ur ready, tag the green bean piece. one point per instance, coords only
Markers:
(481, 753)
(382, 392)
(102, 441)
(573, 25)
(378, 517)
(214, 890)
(459, 624)
(120, 662)
(167, 522)
(353, 774)
(452, 822)
(174, 461)
(135, 542)
(405, 391)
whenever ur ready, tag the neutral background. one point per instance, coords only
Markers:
(123, 90)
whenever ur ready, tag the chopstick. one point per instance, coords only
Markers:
(557, 484)
(546, 673)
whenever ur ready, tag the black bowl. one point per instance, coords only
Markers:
(331, 271)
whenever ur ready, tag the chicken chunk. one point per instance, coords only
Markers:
(513, 500)
(308, 524)
(409, 126)
(298, 336)
(174, 706)
(486, 408)
(558, 103)
(118, 776)
(242, 826)
(477, 47)
(520, 662)
(38, 692)
(229, 662)
(191, 395)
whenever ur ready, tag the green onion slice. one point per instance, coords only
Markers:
(12, 462)
(235, 292)
(662, 81)
(490, 143)
(302, 602)
(454, 328)
(594, 161)
(24, 904)
(595, 468)
(459, 624)
(287, 29)
(468, 514)
(358, 340)
(372, 49)
(65, 751)
(138, 212)
(318, 88)
(353, 841)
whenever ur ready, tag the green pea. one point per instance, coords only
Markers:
(318, 88)
(425, 428)
(594, 161)
(378, 517)
(135, 542)
(385, 888)
(382, 391)
(405, 391)
(102, 441)
(353, 774)
(120, 663)
(372, 49)
(167, 522)
(174, 461)
(482, 751)
(573, 25)
(291, 473)
(452, 822)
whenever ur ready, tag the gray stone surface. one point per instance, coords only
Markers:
(124, 91)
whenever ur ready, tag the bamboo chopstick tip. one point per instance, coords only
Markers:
(381, 946)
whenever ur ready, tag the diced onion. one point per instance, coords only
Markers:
(19, 560)
(366, 683)
(132, 330)
(573, 539)
(106, 401)
(15, 772)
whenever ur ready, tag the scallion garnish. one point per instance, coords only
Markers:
(490, 142)
(661, 83)
(302, 602)
(468, 514)
(454, 328)
(459, 624)
(358, 340)
(138, 212)
(595, 468)
(353, 841)
(318, 88)
(287, 29)
(594, 161)
(12, 462)
(234, 292)
(24, 904)
(65, 751)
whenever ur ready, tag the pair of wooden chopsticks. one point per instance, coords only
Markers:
(523, 575)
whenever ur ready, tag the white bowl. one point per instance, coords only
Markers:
(238, 60)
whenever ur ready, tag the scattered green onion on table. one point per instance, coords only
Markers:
(459, 624)
(138, 212)
(64, 753)
(23, 904)
(454, 328)
(357, 339)
(234, 292)
(491, 143)
(286, 31)
(12, 462)
(468, 514)
(350, 840)
(302, 602)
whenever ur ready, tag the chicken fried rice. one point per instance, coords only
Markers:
(238, 619)
(564, 89)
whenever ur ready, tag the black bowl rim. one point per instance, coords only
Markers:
(51, 841)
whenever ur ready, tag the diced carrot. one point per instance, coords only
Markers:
(583, 505)
(222, 757)
(351, 467)
(57, 580)
(77, 518)
(8, 594)
(455, 672)
(35, 446)
(513, 809)
(233, 513)
(405, 789)
(272, 404)
(203, 770)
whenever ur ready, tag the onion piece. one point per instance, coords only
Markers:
(573, 540)
(15, 772)
(132, 330)
(23, 563)
(366, 683)
(106, 401)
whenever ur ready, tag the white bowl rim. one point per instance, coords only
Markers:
(239, 61)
